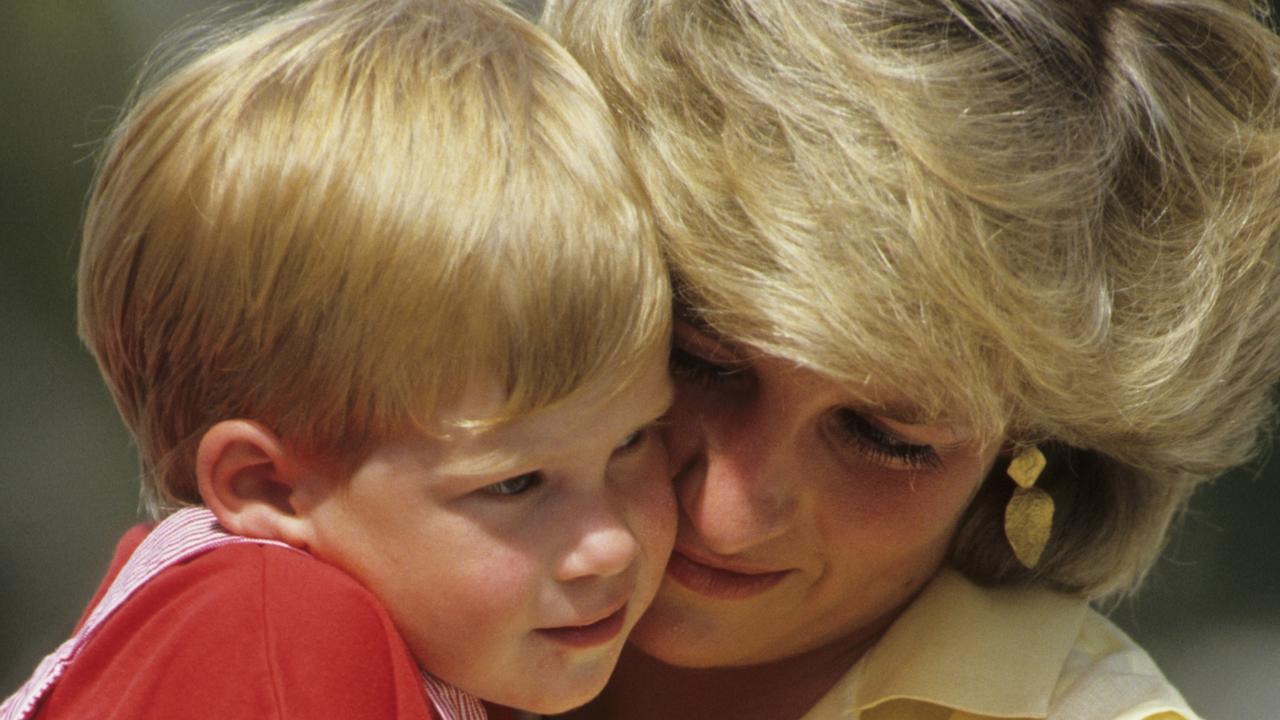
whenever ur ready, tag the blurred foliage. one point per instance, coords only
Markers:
(68, 476)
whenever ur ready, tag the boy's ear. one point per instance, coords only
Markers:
(250, 480)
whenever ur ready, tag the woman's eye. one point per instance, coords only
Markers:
(689, 367)
(881, 446)
(512, 486)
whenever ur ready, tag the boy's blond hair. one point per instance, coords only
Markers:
(1053, 222)
(333, 221)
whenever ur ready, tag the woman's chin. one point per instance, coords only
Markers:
(690, 642)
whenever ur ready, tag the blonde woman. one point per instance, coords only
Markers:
(973, 294)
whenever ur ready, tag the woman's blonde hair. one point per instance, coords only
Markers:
(335, 219)
(1052, 222)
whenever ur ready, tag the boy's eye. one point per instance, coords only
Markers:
(629, 441)
(513, 486)
(852, 429)
(688, 367)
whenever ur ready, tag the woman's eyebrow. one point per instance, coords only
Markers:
(707, 341)
(689, 315)
(900, 412)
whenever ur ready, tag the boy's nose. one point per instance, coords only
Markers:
(603, 546)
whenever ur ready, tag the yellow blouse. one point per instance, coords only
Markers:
(964, 652)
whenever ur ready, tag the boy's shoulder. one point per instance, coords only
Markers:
(245, 630)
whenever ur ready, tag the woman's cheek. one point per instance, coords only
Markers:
(650, 502)
(893, 508)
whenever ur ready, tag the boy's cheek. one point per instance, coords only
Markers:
(461, 614)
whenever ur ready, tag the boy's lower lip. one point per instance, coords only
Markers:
(718, 582)
(584, 636)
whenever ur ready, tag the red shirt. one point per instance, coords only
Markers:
(241, 631)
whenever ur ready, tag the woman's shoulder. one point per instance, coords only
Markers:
(992, 652)
(1108, 676)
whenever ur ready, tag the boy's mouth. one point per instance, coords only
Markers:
(589, 635)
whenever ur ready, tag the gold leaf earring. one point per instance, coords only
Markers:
(1028, 518)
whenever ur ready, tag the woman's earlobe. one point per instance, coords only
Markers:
(249, 479)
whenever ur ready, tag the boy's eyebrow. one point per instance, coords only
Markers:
(498, 461)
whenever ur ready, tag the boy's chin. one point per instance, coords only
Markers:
(558, 700)
(558, 705)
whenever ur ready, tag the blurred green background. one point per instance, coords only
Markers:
(68, 476)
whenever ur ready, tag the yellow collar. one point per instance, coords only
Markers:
(986, 651)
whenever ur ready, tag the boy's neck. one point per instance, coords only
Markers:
(643, 688)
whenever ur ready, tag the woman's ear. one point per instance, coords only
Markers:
(249, 479)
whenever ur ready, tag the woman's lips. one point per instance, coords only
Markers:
(585, 636)
(721, 582)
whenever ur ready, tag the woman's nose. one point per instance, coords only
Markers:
(735, 488)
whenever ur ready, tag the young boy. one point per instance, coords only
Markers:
(382, 307)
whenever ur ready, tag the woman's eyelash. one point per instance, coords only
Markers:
(883, 447)
(692, 368)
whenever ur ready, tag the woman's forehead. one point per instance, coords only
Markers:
(866, 393)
